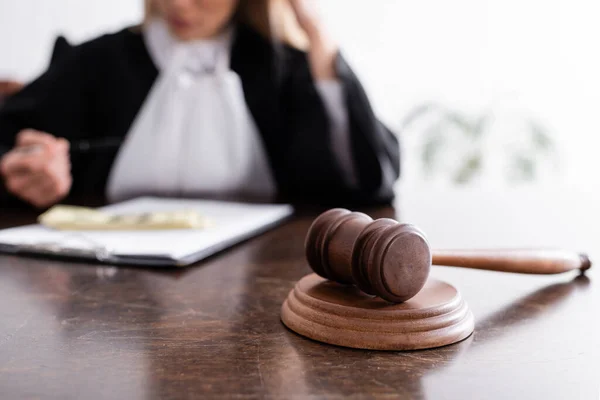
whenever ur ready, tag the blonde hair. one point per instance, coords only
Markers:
(274, 19)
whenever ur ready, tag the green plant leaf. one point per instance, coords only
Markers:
(460, 121)
(469, 169)
(481, 125)
(523, 167)
(418, 112)
(540, 136)
(432, 147)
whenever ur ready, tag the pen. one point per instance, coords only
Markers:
(78, 146)
(87, 145)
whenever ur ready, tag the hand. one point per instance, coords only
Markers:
(323, 49)
(8, 88)
(38, 169)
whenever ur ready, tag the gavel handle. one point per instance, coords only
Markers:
(519, 261)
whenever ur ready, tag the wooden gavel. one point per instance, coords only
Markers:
(392, 260)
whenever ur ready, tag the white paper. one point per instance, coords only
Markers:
(232, 222)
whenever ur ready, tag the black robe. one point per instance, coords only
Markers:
(91, 94)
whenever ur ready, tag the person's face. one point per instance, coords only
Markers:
(196, 19)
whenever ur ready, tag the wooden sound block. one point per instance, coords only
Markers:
(343, 315)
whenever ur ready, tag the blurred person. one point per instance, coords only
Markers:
(206, 98)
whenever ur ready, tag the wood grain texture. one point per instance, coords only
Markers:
(523, 261)
(338, 314)
(383, 258)
(83, 331)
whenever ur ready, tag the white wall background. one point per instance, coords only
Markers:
(537, 57)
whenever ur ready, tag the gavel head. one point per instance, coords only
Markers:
(382, 257)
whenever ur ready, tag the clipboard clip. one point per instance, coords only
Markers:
(62, 248)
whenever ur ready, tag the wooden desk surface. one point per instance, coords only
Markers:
(70, 331)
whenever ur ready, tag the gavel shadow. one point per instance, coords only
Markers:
(528, 308)
(385, 373)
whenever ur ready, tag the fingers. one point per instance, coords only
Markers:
(33, 152)
(21, 183)
(63, 145)
(17, 162)
(41, 195)
(30, 137)
(41, 190)
(49, 193)
(307, 14)
(41, 176)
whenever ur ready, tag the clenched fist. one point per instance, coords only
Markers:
(38, 168)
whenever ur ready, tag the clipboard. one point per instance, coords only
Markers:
(233, 223)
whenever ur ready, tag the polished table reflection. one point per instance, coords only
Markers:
(73, 330)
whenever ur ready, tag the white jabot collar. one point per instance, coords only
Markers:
(201, 55)
(195, 135)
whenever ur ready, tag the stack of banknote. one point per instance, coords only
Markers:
(81, 218)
